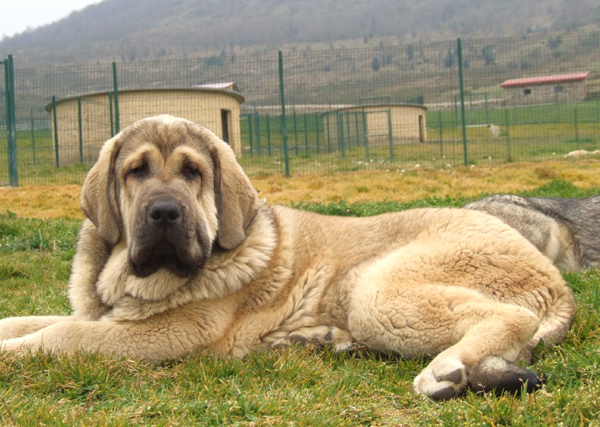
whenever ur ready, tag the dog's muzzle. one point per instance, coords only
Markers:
(167, 239)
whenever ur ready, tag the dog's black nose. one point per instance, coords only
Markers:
(164, 213)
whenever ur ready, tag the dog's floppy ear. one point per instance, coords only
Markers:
(99, 194)
(235, 197)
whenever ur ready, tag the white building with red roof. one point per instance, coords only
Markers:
(546, 89)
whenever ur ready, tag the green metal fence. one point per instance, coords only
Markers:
(391, 107)
(11, 131)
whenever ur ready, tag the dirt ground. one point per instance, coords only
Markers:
(52, 201)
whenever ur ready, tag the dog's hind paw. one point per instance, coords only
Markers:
(442, 380)
(496, 374)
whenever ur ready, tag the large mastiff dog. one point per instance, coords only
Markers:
(179, 256)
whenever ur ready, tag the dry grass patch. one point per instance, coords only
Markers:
(403, 186)
(54, 201)
(43, 201)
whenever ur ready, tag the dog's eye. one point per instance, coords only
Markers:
(190, 172)
(139, 171)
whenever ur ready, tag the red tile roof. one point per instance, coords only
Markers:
(559, 78)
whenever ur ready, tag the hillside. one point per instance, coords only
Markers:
(130, 30)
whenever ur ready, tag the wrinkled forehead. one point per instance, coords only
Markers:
(166, 137)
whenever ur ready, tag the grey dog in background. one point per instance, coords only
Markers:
(566, 230)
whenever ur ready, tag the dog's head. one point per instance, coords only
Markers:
(170, 189)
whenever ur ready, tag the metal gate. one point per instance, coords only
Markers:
(364, 129)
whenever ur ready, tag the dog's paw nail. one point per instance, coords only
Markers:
(281, 343)
(445, 393)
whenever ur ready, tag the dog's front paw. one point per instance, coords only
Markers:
(442, 380)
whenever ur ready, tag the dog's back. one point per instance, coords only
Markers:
(583, 218)
(564, 229)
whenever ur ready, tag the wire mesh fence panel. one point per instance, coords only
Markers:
(54, 110)
(369, 107)
(389, 107)
(531, 99)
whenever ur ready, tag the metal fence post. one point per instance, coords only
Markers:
(340, 125)
(390, 136)
(328, 116)
(357, 129)
(441, 136)
(283, 126)
(506, 116)
(269, 134)
(116, 97)
(348, 132)
(257, 129)
(32, 135)
(462, 98)
(365, 134)
(11, 125)
(7, 110)
(317, 127)
(80, 129)
(110, 114)
(250, 135)
(55, 122)
(576, 129)
(306, 134)
(295, 131)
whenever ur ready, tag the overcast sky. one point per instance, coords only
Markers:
(17, 15)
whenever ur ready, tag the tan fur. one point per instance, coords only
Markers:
(454, 283)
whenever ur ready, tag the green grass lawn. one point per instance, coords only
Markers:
(295, 386)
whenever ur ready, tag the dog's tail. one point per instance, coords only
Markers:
(494, 374)
(557, 319)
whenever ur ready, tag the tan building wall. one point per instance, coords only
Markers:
(375, 124)
(204, 106)
(546, 93)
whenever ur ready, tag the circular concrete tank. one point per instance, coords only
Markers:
(81, 124)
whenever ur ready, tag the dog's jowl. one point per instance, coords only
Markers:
(178, 256)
